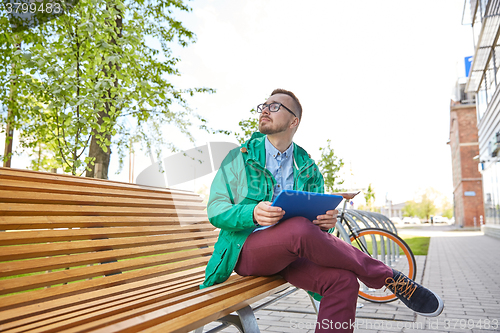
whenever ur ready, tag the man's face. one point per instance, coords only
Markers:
(276, 122)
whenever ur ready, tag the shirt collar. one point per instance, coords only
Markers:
(274, 152)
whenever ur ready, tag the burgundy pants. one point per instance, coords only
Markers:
(314, 260)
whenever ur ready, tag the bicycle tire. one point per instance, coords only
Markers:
(406, 263)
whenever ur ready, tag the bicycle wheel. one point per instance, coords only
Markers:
(390, 249)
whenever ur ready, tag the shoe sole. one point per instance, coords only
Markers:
(438, 310)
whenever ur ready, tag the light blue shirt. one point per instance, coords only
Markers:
(281, 167)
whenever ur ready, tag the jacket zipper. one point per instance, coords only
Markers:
(257, 166)
(301, 171)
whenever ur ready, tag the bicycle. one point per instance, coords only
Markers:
(378, 243)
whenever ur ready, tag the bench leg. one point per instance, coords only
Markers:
(248, 321)
(315, 304)
(245, 322)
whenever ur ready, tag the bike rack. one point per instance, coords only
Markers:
(382, 222)
(392, 254)
(391, 228)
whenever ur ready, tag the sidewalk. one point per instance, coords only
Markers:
(463, 267)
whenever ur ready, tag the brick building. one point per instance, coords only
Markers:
(467, 183)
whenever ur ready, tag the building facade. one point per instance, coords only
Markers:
(483, 81)
(392, 210)
(467, 182)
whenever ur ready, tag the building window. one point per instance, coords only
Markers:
(482, 103)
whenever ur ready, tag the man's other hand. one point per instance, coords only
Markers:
(328, 220)
(265, 214)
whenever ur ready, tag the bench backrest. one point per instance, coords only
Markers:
(63, 236)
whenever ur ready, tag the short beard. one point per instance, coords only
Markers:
(272, 130)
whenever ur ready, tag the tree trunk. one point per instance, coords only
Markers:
(9, 131)
(102, 158)
(101, 163)
(9, 137)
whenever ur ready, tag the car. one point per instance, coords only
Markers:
(415, 220)
(441, 219)
(396, 220)
(407, 220)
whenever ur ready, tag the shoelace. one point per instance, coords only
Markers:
(403, 286)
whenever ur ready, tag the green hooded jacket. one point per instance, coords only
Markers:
(239, 185)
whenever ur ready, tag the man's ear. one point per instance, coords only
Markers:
(295, 122)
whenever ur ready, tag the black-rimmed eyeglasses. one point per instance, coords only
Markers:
(273, 107)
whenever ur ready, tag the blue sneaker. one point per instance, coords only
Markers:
(419, 299)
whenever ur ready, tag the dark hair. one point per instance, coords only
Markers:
(297, 107)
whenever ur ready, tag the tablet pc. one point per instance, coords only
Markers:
(306, 204)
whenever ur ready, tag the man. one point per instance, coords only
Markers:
(251, 242)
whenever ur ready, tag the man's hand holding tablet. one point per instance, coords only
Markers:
(328, 220)
(266, 215)
(299, 203)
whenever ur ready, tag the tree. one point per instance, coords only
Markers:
(247, 127)
(370, 197)
(11, 115)
(426, 207)
(330, 165)
(447, 209)
(410, 209)
(99, 85)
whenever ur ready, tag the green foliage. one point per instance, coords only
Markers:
(91, 73)
(426, 207)
(11, 109)
(410, 209)
(43, 158)
(370, 197)
(247, 127)
(330, 165)
(447, 209)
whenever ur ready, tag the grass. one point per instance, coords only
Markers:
(418, 245)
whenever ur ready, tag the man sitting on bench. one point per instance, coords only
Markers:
(251, 242)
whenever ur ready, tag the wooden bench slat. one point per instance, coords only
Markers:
(30, 282)
(26, 186)
(105, 311)
(200, 316)
(72, 310)
(49, 209)
(61, 306)
(43, 236)
(49, 222)
(77, 199)
(45, 177)
(142, 317)
(12, 268)
(53, 249)
(119, 311)
(60, 293)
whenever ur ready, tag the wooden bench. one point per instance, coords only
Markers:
(89, 255)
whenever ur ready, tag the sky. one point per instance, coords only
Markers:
(374, 77)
